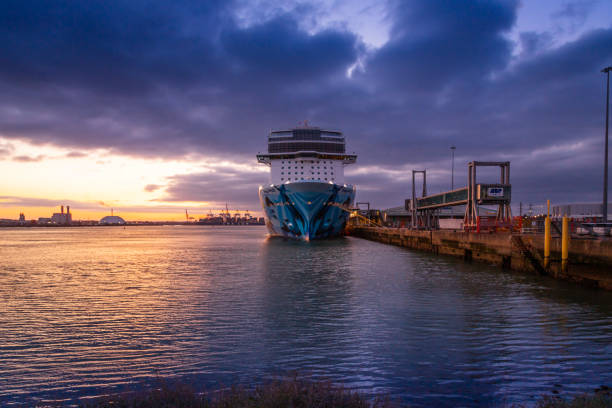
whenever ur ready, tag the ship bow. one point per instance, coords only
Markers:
(307, 210)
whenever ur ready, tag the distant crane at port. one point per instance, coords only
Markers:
(187, 217)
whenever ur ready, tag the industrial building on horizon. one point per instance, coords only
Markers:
(59, 218)
(62, 218)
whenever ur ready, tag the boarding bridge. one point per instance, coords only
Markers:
(475, 194)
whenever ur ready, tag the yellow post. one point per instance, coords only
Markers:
(547, 208)
(546, 242)
(565, 237)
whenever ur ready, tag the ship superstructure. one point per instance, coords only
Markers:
(307, 197)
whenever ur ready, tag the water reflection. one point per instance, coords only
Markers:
(306, 298)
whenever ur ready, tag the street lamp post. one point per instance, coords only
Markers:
(605, 197)
(452, 148)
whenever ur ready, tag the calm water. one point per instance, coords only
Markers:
(85, 311)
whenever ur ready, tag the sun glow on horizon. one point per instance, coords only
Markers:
(38, 179)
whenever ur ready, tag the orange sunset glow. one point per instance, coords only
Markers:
(41, 178)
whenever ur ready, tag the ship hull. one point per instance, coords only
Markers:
(306, 210)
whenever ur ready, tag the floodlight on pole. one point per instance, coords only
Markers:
(453, 148)
(605, 192)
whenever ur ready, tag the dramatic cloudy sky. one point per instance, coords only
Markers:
(152, 107)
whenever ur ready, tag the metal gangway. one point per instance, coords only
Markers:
(423, 209)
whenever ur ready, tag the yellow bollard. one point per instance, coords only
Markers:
(546, 243)
(565, 238)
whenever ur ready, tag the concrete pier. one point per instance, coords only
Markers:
(589, 260)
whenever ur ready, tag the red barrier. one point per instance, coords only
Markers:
(491, 224)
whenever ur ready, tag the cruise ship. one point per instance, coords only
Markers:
(306, 198)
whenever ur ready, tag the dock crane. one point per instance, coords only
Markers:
(187, 217)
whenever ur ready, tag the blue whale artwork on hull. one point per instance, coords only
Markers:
(306, 210)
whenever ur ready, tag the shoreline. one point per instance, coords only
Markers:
(143, 224)
(302, 392)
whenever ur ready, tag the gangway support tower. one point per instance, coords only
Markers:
(492, 194)
(420, 219)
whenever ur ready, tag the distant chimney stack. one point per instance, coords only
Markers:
(62, 209)
(67, 209)
(111, 212)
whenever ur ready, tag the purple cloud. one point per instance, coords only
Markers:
(170, 80)
(152, 187)
(28, 159)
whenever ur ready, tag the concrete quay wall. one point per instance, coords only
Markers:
(590, 260)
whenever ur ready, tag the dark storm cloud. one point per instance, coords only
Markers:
(433, 45)
(153, 78)
(573, 14)
(110, 47)
(278, 52)
(429, 75)
(533, 42)
(552, 98)
(103, 74)
(169, 79)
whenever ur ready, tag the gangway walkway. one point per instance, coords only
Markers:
(472, 196)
